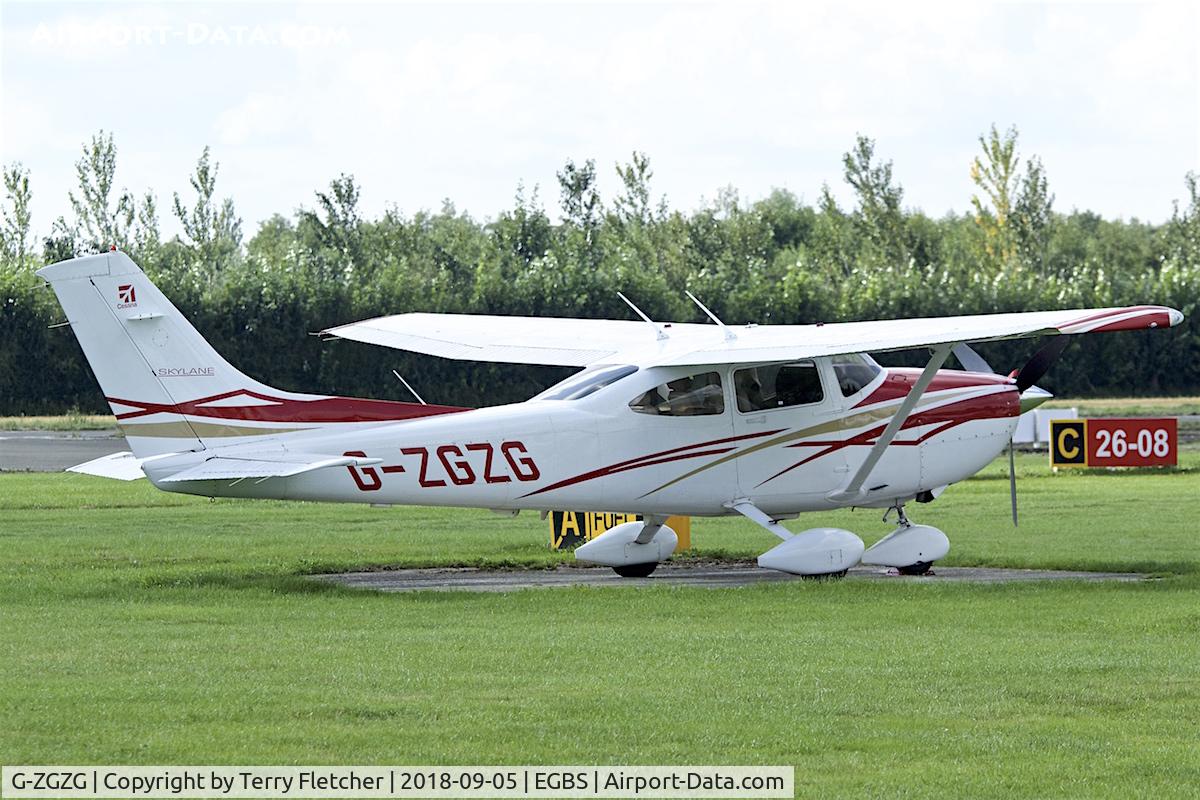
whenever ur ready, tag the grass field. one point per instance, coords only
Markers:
(1130, 406)
(61, 422)
(142, 627)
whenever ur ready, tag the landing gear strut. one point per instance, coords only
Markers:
(901, 517)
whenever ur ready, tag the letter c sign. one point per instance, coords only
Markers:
(1068, 446)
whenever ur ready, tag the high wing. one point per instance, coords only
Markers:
(787, 342)
(558, 341)
(580, 342)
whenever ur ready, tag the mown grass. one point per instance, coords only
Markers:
(1130, 406)
(142, 627)
(59, 422)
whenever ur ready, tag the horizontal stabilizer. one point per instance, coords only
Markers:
(266, 465)
(120, 466)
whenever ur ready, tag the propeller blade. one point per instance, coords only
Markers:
(1012, 480)
(971, 361)
(1042, 360)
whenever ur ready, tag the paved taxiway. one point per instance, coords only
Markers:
(52, 451)
(708, 575)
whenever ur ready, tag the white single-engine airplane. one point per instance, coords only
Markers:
(666, 418)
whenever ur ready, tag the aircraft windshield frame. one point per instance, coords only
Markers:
(587, 382)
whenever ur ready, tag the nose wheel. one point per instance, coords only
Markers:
(636, 570)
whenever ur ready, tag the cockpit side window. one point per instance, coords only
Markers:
(778, 386)
(691, 396)
(854, 372)
(582, 384)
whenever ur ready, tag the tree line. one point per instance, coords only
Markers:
(773, 260)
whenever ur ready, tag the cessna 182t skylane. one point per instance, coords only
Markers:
(665, 418)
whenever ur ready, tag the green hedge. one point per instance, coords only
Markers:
(774, 261)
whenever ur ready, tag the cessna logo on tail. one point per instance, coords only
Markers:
(126, 296)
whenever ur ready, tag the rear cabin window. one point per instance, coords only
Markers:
(854, 371)
(584, 383)
(691, 396)
(778, 386)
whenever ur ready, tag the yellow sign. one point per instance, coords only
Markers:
(572, 528)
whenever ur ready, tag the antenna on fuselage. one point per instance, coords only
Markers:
(659, 332)
(409, 387)
(729, 334)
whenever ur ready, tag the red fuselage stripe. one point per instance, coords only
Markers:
(322, 410)
(901, 379)
(661, 457)
(993, 406)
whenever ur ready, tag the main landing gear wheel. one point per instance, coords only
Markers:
(919, 568)
(825, 576)
(636, 570)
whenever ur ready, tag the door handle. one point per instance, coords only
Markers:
(759, 420)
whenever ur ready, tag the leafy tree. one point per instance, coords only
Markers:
(1033, 215)
(336, 226)
(833, 237)
(146, 236)
(878, 217)
(995, 175)
(633, 206)
(15, 216)
(100, 220)
(214, 229)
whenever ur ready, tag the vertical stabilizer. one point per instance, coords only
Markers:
(168, 388)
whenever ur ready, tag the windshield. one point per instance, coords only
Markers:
(854, 371)
(581, 384)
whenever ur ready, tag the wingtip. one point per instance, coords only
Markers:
(1174, 317)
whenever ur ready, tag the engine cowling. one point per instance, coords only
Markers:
(817, 551)
(616, 546)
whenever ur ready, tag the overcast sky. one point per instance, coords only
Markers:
(425, 102)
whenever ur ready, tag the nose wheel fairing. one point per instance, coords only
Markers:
(908, 546)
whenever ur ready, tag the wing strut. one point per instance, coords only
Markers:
(853, 490)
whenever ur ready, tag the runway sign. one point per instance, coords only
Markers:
(572, 528)
(1114, 442)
